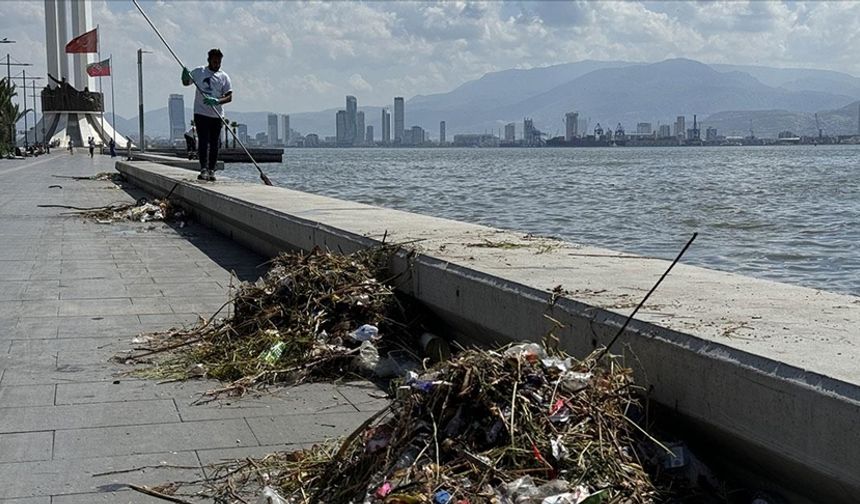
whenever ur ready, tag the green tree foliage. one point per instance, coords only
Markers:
(10, 114)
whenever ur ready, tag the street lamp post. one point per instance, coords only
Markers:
(140, 96)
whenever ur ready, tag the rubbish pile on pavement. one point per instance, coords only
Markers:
(516, 425)
(142, 210)
(313, 316)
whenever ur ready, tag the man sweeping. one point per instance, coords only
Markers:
(216, 91)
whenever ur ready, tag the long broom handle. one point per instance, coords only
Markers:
(263, 176)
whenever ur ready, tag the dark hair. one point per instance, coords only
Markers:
(216, 52)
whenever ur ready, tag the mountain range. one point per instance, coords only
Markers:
(731, 98)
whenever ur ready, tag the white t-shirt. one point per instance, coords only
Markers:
(215, 84)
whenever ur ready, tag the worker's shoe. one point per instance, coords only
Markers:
(204, 174)
(211, 175)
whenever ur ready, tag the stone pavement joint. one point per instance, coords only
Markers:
(72, 294)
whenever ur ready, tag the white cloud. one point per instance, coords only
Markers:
(300, 56)
(357, 82)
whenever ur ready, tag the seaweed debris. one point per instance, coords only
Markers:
(316, 315)
(513, 425)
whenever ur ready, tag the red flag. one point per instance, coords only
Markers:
(99, 69)
(86, 43)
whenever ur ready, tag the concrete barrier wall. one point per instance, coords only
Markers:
(768, 369)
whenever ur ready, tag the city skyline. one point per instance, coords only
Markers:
(437, 46)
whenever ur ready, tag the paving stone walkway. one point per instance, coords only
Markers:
(74, 293)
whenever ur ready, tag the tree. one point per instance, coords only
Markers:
(10, 114)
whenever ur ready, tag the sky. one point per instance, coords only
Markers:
(290, 57)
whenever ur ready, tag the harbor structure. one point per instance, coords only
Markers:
(399, 116)
(176, 116)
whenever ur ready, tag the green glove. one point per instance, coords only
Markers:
(210, 100)
(186, 75)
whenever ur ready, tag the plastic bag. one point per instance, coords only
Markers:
(366, 332)
(270, 496)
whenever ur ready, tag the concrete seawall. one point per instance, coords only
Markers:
(768, 369)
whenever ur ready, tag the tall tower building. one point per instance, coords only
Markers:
(442, 133)
(359, 128)
(340, 124)
(510, 132)
(285, 129)
(399, 114)
(176, 115)
(681, 127)
(351, 120)
(571, 126)
(368, 137)
(273, 129)
(386, 127)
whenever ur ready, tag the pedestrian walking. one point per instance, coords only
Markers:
(112, 146)
(92, 146)
(214, 89)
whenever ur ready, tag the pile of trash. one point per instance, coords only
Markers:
(315, 315)
(142, 210)
(512, 426)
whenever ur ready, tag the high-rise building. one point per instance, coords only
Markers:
(368, 136)
(242, 132)
(176, 113)
(285, 129)
(571, 126)
(359, 128)
(351, 120)
(441, 132)
(531, 136)
(272, 132)
(340, 124)
(510, 132)
(643, 128)
(417, 135)
(665, 131)
(681, 127)
(711, 134)
(399, 116)
(386, 127)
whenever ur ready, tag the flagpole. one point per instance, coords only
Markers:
(112, 108)
(99, 45)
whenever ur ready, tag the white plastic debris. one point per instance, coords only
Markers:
(528, 351)
(366, 332)
(572, 381)
(270, 496)
(559, 451)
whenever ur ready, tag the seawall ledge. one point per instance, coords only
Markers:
(769, 368)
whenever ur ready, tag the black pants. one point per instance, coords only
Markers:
(208, 139)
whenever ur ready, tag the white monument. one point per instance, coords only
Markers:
(71, 110)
